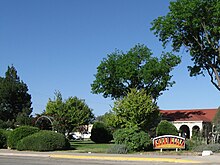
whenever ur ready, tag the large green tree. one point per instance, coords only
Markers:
(136, 110)
(68, 114)
(120, 72)
(15, 101)
(195, 26)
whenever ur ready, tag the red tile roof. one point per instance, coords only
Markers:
(205, 115)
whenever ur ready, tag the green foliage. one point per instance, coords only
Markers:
(19, 133)
(166, 128)
(23, 118)
(6, 124)
(68, 114)
(118, 149)
(44, 141)
(14, 97)
(194, 25)
(212, 147)
(136, 110)
(100, 133)
(194, 141)
(135, 69)
(3, 139)
(190, 144)
(216, 119)
(133, 138)
(108, 119)
(44, 122)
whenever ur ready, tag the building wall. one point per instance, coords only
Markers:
(190, 125)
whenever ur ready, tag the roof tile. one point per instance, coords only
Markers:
(205, 115)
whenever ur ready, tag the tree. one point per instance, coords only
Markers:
(194, 25)
(166, 128)
(108, 119)
(136, 110)
(216, 123)
(216, 119)
(68, 114)
(100, 133)
(14, 97)
(133, 138)
(120, 72)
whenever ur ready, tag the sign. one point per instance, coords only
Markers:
(169, 142)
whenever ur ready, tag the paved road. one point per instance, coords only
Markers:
(13, 160)
(10, 157)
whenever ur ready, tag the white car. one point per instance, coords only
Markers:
(86, 135)
(73, 136)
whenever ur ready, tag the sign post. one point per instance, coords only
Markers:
(169, 142)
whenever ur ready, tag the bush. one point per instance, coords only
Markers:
(44, 141)
(212, 147)
(166, 128)
(189, 144)
(100, 133)
(192, 143)
(133, 138)
(118, 149)
(6, 124)
(19, 133)
(3, 139)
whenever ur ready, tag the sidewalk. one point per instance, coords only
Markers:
(213, 159)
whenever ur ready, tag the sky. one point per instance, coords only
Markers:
(57, 45)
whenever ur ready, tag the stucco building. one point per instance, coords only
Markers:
(188, 121)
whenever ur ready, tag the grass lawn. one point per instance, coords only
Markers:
(89, 146)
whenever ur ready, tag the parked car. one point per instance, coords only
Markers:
(73, 136)
(86, 135)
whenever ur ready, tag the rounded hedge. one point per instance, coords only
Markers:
(100, 133)
(133, 138)
(19, 133)
(44, 141)
(166, 128)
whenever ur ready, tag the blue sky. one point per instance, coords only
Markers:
(58, 44)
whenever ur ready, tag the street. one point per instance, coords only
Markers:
(28, 160)
(8, 160)
(12, 157)
(12, 160)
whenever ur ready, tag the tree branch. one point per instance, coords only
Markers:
(212, 79)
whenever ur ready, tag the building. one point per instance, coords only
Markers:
(187, 121)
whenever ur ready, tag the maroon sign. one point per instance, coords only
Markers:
(169, 142)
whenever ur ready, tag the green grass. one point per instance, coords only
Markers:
(89, 146)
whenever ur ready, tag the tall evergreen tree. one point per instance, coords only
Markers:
(14, 97)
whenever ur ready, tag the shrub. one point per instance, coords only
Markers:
(118, 149)
(44, 141)
(133, 138)
(3, 139)
(166, 128)
(19, 133)
(193, 142)
(189, 144)
(212, 147)
(5, 125)
(100, 133)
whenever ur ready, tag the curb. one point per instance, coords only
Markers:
(24, 154)
(120, 158)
